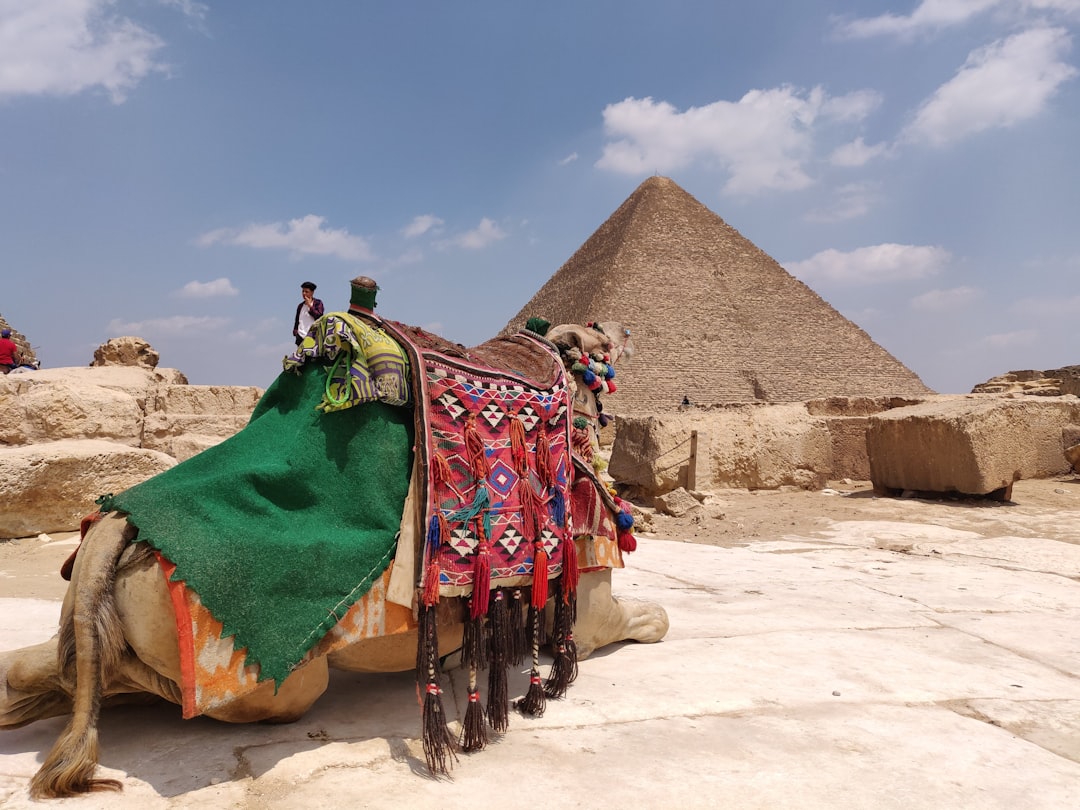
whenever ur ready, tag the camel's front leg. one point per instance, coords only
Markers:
(30, 686)
(604, 619)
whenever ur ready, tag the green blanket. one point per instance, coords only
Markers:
(281, 528)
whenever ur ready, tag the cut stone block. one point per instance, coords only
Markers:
(974, 445)
(50, 487)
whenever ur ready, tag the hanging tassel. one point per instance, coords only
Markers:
(564, 666)
(430, 591)
(535, 701)
(474, 644)
(440, 471)
(474, 449)
(543, 458)
(519, 642)
(438, 741)
(478, 602)
(473, 733)
(540, 576)
(499, 643)
(518, 450)
(558, 507)
(570, 572)
(627, 542)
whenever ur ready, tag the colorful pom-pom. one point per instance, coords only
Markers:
(625, 521)
(611, 387)
(611, 372)
(588, 376)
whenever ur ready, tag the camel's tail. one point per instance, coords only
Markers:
(98, 644)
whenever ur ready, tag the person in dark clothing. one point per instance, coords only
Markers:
(309, 310)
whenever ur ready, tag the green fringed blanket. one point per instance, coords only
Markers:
(281, 528)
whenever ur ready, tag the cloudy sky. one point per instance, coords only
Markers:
(174, 169)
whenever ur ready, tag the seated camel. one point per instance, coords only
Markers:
(495, 533)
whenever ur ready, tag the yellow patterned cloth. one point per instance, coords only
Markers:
(366, 364)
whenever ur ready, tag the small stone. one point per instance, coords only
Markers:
(836, 693)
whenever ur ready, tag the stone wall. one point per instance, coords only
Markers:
(68, 435)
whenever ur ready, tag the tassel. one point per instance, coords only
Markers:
(474, 449)
(558, 507)
(570, 572)
(499, 642)
(478, 603)
(473, 733)
(518, 450)
(543, 459)
(564, 666)
(440, 471)
(438, 741)
(627, 542)
(430, 595)
(540, 576)
(519, 642)
(535, 701)
(474, 644)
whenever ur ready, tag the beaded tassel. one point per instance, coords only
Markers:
(564, 667)
(499, 642)
(535, 701)
(473, 733)
(438, 741)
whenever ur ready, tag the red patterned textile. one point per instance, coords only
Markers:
(489, 492)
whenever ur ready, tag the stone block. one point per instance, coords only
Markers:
(50, 487)
(976, 445)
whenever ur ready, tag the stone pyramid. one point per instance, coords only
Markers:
(712, 316)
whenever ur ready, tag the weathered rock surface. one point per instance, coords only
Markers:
(975, 444)
(753, 446)
(126, 351)
(1050, 383)
(50, 487)
(152, 412)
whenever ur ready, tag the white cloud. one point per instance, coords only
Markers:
(175, 325)
(763, 140)
(872, 265)
(1021, 337)
(63, 47)
(1000, 84)
(857, 153)
(479, 237)
(569, 159)
(300, 236)
(929, 15)
(207, 289)
(421, 225)
(851, 201)
(952, 299)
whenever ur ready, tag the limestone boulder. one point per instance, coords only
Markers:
(754, 446)
(69, 411)
(975, 444)
(126, 351)
(50, 487)
(184, 420)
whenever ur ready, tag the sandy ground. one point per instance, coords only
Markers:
(828, 649)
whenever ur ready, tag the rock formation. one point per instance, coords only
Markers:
(1051, 383)
(126, 351)
(69, 435)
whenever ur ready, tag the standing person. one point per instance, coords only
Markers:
(308, 311)
(9, 352)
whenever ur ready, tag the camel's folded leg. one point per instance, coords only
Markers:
(604, 619)
(30, 686)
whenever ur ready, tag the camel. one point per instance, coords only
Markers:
(118, 640)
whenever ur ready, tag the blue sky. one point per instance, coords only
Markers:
(174, 169)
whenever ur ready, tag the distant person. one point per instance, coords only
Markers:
(9, 352)
(309, 310)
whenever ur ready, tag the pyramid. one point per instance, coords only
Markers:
(712, 316)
